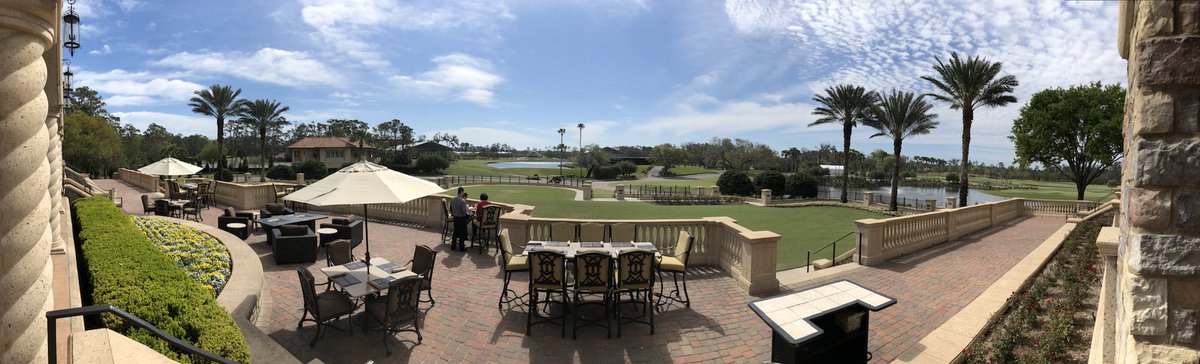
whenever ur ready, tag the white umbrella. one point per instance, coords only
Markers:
(170, 167)
(364, 183)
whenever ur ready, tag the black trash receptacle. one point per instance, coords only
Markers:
(826, 324)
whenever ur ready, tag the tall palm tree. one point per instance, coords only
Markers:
(580, 126)
(265, 117)
(562, 148)
(847, 105)
(220, 102)
(901, 115)
(967, 85)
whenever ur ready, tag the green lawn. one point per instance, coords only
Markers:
(690, 170)
(1041, 189)
(479, 167)
(801, 228)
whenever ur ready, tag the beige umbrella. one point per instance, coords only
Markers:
(170, 167)
(364, 183)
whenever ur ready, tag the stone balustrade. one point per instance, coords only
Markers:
(748, 256)
(141, 180)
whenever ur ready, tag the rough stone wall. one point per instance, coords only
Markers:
(1159, 255)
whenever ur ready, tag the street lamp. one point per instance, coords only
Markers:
(71, 21)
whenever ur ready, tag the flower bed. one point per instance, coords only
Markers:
(1049, 321)
(126, 270)
(202, 256)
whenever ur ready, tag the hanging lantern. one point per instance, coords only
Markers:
(67, 78)
(71, 23)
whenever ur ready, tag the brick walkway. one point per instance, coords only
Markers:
(465, 325)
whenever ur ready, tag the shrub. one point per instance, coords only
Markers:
(608, 171)
(127, 271)
(908, 175)
(880, 176)
(312, 169)
(396, 161)
(802, 185)
(771, 180)
(432, 164)
(627, 167)
(952, 178)
(223, 174)
(281, 172)
(735, 183)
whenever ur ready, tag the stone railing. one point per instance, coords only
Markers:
(426, 211)
(748, 256)
(144, 181)
(885, 239)
(243, 196)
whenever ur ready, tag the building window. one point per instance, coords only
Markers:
(333, 153)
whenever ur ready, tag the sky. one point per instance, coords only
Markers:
(634, 72)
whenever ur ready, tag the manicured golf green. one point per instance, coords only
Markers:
(801, 228)
(1041, 189)
(690, 170)
(479, 167)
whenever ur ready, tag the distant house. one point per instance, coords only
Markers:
(335, 152)
(835, 170)
(419, 149)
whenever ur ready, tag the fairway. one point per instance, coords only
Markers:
(479, 167)
(800, 228)
(1046, 190)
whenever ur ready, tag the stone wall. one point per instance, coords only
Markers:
(1158, 258)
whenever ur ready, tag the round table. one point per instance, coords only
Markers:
(323, 232)
(237, 228)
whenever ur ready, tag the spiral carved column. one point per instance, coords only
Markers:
(26, 31)
(54, 158)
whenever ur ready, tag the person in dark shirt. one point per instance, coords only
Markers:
(458, 209)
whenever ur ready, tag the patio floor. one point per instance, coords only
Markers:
(466, 326)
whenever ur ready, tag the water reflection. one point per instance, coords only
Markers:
(913, 195)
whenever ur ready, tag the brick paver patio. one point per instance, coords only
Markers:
(466, 326)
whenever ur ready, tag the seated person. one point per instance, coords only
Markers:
(483, 202)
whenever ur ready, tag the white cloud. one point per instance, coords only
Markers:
(268, 65)
(455, 76)
(175, 123)
(704, 115)
(123, 88)
(102, 51)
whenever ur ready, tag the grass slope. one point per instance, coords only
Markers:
(801, 229)
(479, 167)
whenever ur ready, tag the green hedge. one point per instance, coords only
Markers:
(131, 273)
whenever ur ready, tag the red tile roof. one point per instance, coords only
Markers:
(326, 142)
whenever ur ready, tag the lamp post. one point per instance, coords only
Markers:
(561, 149)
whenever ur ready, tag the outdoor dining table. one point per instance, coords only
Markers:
(280, 220)
(570, 248)
(353, 278)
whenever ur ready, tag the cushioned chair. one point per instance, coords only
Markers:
(422, 264)
(324, 307)
(591, 232)
(203, 195)
(164, 207)
(562, 231)
(295, 244)
(510, 264)
(230, 217)
(548, 275)
(395, 310)
(676, 264)
(274, 209)
(486, 226)
(635, 277)
(339, 252)
(192, 208)
(593, 277)
(622, 232)
(148, 202)
(349, 229)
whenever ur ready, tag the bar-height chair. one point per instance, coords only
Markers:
(422, 265)
(591, 232)
(488, 223)
(562, 231)
(635, 277)
(396, 309)
(676, 264)
(324, 307)
(447, 222)
(547, 274)
(510, 264)
(593, 276)
(622, 232)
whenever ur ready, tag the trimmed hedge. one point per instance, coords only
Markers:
(128, 271)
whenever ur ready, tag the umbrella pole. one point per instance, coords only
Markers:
(367, 235)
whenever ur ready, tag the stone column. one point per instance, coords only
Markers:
(587, 191)
(868, 197)
(716, 192)
(766, 196)
(27, 33)
(1159, 254)
(930, 205)
(702, 190)
(951, 202)
(300, 177)
(53, 89)
(620, 192)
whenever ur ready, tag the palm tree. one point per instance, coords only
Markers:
(580, 126)
(967, 85)
(218, 101)
(265, 116)
(562, 148)
(847, 105)
(901, 115)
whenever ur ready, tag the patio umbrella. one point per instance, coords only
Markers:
(364, 183)
(170, 167)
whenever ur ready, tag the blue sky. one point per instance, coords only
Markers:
(634, 72)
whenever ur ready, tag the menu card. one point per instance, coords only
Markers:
(346, 280)
(381, 283)
(591, 245)
(622, 244)
(354, 265)
(561, 244)
(391, 267)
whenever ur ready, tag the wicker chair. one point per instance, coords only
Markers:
(396, 309)
(562, 231)
(591, 232)
(230, 217)
(635, 277)
(324, 307)
(676, 264)
(488, 223)
(510, 264)
(274, 209)
(346, 229)
(622, 232)
(593, 276)
(547, 274)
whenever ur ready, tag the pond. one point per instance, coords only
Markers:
(506, 165)
(974, 196)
